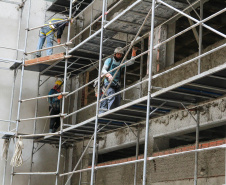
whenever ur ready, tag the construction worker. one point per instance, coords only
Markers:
(110, 64)
(47, 33)
(54, 106)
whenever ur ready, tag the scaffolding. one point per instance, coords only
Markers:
(159, 101)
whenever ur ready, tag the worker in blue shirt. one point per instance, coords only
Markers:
(110, 64)
(47, 33)
(54, 106)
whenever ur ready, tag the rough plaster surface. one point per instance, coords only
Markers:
(173, 170)
(172, 123)
(45, 159)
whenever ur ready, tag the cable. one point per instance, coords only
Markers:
(17, 159)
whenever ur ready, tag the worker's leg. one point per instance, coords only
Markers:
(117, 98)
(111, 100)
(103, 105)
(53, 121)
(50, 38)
(56, 126)
(51, 125)
(41, 41)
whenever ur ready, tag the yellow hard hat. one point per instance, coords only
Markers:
(58, 82)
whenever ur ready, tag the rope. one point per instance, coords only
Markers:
(17, 159)
(77, 8)
(5, 149)
(46, 121)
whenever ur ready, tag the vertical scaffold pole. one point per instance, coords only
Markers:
(13, 89)
(137, 154)
(141, 67)
(200, 36)
(80, 175)
(98, 94)
(225, 166)
(21, 81)
(196, 147)
(19, 29)
(149, 92)
(125, 69)
(10, 118)
(63, 100)
(34, 130)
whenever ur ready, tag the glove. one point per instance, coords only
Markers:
(134, 51)
(59, 97)
(109, 76)
(58, 41)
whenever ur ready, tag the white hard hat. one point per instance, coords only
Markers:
(119, 50)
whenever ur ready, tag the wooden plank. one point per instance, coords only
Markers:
(45, 60)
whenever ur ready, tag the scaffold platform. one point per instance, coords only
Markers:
(86, 54)
(188, 93)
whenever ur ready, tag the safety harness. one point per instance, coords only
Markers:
(52, 27)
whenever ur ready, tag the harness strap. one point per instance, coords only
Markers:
(46, 34)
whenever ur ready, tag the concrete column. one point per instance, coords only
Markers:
(159, 54)
(170, 45)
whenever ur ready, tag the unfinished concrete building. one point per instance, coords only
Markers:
(170, 128)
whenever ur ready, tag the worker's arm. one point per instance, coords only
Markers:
(60, 31)
(131, 62)
(105, 68)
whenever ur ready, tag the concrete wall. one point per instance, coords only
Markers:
(177, 169)
(45, 159)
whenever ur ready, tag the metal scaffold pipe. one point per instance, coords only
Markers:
(7, 121)
(189, 28)
(43, 117)
(14, 82)
(149, 159)
(21, 81)
(105, 26)
(189, 61)
(200, 36)
(60, 45)
(190, 17)
(34, 130)
(47, 96)
(151, 45)
(30, 29)
(99, 18)
(63, 100)
(98, 94)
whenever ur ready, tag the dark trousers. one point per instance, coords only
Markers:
(111, 102)
(54, 122)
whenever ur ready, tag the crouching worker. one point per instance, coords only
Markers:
(109, 64)
(47, 33)
(54, 106)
